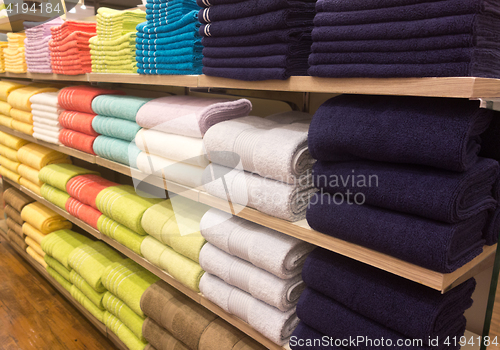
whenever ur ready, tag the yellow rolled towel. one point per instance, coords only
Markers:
(11, 141)
(37, 156)
(9, 174)
(10, 164)
(32, 232)
(30, 186)
(20, 98)
(25, 128)
(22, 116)
(35, 246)
(5, 108)
(9, 153)
(6, 121)
(6, 87)
(29, 174)
(44, 219)
(36, 256)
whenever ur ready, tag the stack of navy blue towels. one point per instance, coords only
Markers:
(169, 43)
(256, 39)
(400, 38)
(402, 176)
(347, 300)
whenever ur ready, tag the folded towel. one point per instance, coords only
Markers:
(116, 128)
(85, 188)
(15, 227)
(5, 108)
(9, 153)
(120, 233)
(40, 119)
(59, 279)
(77, 140)
(392, 136)
(189, 116)
(11, 141)
(83, 300)
(35, 246)
(60, 244)
(95, 297)
(44, 219)
(33, 253)
(13, 214)
(43, 137)
(58, 175)
(160, 337)
(30, 186)
(300, 49)
(29, 174)
(10, 164)
(37, 156)
(16, 199)
(22, 116)
(44, 131)
(129, 318)
(25, 128)
(17, 240)
(6, 121)
(123, 332)
(33, 233)
(79, 98)
(9, 174)
(83, 212)
(119, 151)
(54, 195)
(6, 87)
(122, 107)
(267, 320)
(78, 121)
(58, 267)
(20, 98)
(162, 27)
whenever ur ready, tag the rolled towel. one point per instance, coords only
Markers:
(22, 116)
(60, 244)
(20, 98)
(116, 128)
(121, 234)
(58, 175)
(15, 227)
(86, 303)
(17, 240)
(11, 141)
(40, 120)
(189, 116)
(29, 174)
(87, 290)
(267, 320)
(33, 233)
(30, 186)
(123, 332)
(9, 174)
(123, 107)
(6, 87)
(13, 214)
(160, 338)
(46, 99)
(9, 164)
(129, 318)
(85, 188)
(280, 293)
(77, 140)
(35, 246)
(25, 128)
(59, 279)
(340, 130)
(16, 199)
(54, 195)
(58, 267)
(83, 212)
(9, 153)
(119, 151)
(79, 98)
(37, 156)
(78, 121)
(33, 253)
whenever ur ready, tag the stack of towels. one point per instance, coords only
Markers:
(113, 49)
(169, 43)
(15, 201)
(175, 240)
(405, 39)
(171, 142)
(253, 272)
(6, 87)
(33, 158)
(9, 161)
(275, 167)
(339, 302)
(116, 124)
(245, 41)
(19, 100)
(176, 322)
(3, 45)
(77, 118)
(39, 222)
(69, 47)
(126, 282)
(36, 45)
(15, 61)
(426, 197)
(46, 110)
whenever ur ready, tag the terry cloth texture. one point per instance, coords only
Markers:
(33, 233)
(54, 195)
(125, 314)
(117, 150)
(121, 234)
(16, 199)
(59, 279)
(123, 332)
(121, 107)
(78, 121)
(77, 140)
(79, 98)
(13, 54)
(58, 175)
(83, 212)
(61, 243)
(44, 219)
(37, 40)
(37, 156)
(85, 188)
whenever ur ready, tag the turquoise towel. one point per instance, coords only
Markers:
(123, 107)
(129, 318)
(170, 71)
(119, 151)
(122, 332)
(149, 46)
(116, 128)
(166, 59)
(193, 49)
(189, 18)
(190, 28)
(164, 41)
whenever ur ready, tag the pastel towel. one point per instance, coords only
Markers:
(30, 186)
(79, 98)
(189, 116)
(95, 297)
(189, 150)
(123, 332)
(85, 188)
(83, 300)
(6, 121)
(45, 98)
(265, 147)
(128, 281)
(38, 258)
(44, 219)
(29, 174)
(22, 116)
(398, 130)
(119, 151)
(265, 319)
(59, 279)
(9, 153)
(176, 223)
(275, 198)
(58, 175)
(116, 128)
(25, 128)
(6, 87)
(122, 107)
(16, 199)
(121, 234)
(37, 156)
(12, 141)
(35, 246)
(33, 233)
(125, 206)
(125, 314)
(5, 108)
(77, 140)
(9, 174)
(9, 164)
(83, 212)
(60, 244)
(78, 121)
(262, 285)
(178, 266)
(37, 134)
(54, 196)
(20, 98)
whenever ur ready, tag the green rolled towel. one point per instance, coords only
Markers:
(178, 266)
(117, 106)
(123, 205)
(105, 47)
(86, 303)
(128, 66)
(176, 223)
(129, 318)
(117, 44)
(58, 175)
(55, 196)
(127, 52)
(58, 267)
(90, 261)
(120, 233)
(60, 244)
(59, 279)
(87, 290)
(114, 127)
(128, 281)
(122, 332)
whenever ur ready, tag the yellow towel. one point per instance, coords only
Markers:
(20, 98)
(6, 87)
(9, 153)
(9, 174)
(5, 108)
(44, 219)
(35, 246)
(32, 232)
(29, 174)
(30, 186)
(12, 141)
(37, 156)
(25, 128)
(6, 121)
(36, 256)
(22, 116)
(10, 164)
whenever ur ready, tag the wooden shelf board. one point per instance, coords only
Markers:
(45, 76)
(166, 80)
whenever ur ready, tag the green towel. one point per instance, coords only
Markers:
(122, 107)
(87, 290)
(120, 43)
(120, 233)
(123, 205)
(86, 303)
(113, 60)
(122, 332)
(90, 260)
(178, 266)
(177, 224)
(128, 52)
(60, 279)
(58, 175)
(55, 196)
(129, 66)
(60, 244)
(129, 318)
(128, 281)
(58, 267)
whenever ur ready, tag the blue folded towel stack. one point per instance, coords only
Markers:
(169, 43)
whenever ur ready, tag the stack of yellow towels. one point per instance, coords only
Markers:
(3, 45)
(6, 87)
(9, 161)
(15, 61)
(33, 158)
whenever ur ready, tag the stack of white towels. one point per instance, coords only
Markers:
(46, 111)
(36, 45)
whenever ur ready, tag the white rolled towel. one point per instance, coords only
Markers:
(46, 132)
(46, 98)
(45, 115)
(46, 121)
(272, 251)
(266, 319)
(46, 138)
(46, 108)
(47, 127)
(277, 292)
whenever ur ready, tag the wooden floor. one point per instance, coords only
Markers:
(495, 320)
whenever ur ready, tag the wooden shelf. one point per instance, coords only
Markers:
(166, 80)
(45, 76)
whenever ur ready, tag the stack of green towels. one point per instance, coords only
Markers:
(126, 282)
(113, 49)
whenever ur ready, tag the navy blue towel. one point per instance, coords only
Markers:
(407, 307)
(253, 74)
(289, 35)
(439, 132)
(490, 146)
(492, 229)
(277, 4)
(360, 5)
(424, 191)
(281, 61)
(431, 244)
(307, 338)
(290, 49)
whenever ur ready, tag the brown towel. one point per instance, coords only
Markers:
(13, 214)
(14, 226)
(159, 337)
(16, 199)
(15, 239)
(149, 347)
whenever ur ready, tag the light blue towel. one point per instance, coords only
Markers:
(114, 127)
(185, 20)
(117, 150)
(123, 107)
(189, 28)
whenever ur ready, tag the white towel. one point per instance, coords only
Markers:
(291, 117)
(45, 115)
(47, 127)
(178, 148)
(45, 108)
(46, 138)
(50, 133)
(45, 121)
(272, 251)
(46, 98)
(271, 322)
(277, 292)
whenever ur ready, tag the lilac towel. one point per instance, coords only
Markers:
(37, 40)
